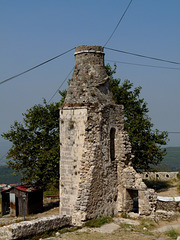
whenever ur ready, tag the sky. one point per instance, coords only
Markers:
(32, 32)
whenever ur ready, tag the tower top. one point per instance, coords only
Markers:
(89, 49)
(90, 82)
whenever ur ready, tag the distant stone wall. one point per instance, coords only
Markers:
(34, 227)
(163, 176)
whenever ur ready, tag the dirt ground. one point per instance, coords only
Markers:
(142, 230)
(119, 229)
(171, 191)
(126, 229)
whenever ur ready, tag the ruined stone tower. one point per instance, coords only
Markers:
(95, 173)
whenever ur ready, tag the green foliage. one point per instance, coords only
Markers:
(98, 222)
(63, 95)
(172, 233)
(178, 175)
(178, 188)
(35, 145)
(124, 215)
(35, 142)
(146, 143)
(172, 159)
(51, 190)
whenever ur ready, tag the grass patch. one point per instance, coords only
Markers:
(178, 188)
(178, 175)
(71, 229)
(98, 222)
(172, 233)
(51, 233)
(125, 215)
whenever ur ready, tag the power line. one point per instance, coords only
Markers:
(118, 23)
(173, 132)
(143, 56)
(30, 69)
(143, 65)
(61, 85)
(3, 157)
(168, 132)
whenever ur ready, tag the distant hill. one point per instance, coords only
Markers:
(170, 163)
(172, 159)
(4, 148)
(7, 177)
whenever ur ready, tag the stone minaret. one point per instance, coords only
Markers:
(94, 148)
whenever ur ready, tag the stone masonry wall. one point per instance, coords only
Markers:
(95, 173)
(34, 227)
(131, 181)
(163, 176)
(98, 187)
(72, 128)
(168, 205)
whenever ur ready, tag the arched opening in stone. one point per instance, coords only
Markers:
(112, 143)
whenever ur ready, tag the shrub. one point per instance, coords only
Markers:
(178, 175)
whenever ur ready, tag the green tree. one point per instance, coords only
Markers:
(35, 149)
(146, 143)
(35, 145)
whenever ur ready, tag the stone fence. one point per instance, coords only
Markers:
(163, 176)
(34, 227)
(168, 203)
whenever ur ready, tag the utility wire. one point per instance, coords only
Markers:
(118, 23)
(173, 132)
(166, 131)
(3, 157)
(30, 69)
(61, 85)
(144, 65)
(143, 56)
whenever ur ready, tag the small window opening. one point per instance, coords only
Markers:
(157, 175)
(112, 143)
(167, 175)
(147, 175)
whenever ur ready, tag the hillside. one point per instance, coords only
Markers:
(170, 163)
(7, 177)
(4, 147)
(172, 159)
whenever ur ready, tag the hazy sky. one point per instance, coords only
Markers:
(34, 31)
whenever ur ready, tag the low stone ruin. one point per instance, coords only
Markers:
(33, 227)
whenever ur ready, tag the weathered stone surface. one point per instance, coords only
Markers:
(96, 177)
(170, 205)
(163, 176)
(28, 228)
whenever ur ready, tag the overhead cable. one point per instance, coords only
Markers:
(143, 65)
(118, 23)
(61, 85)
(30, 69)
(2, 158)
(167, 131)
(143, 56)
